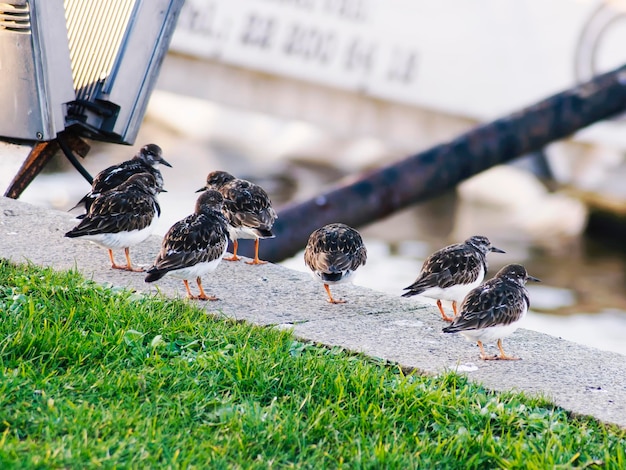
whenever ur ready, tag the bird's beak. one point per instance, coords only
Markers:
(534, 279)
(201, 189)
(497, 250)
(163, 162)
(163, 191)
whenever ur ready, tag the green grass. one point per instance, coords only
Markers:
(94, 376)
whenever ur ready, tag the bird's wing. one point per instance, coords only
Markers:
(118, 211)
(113, 176)
(491, 304)
(335, 252)
(248, 205)
(447, 267)
(195, 239)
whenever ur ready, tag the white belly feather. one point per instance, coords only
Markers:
(198, 269)
(122, 239)
(454, 293)
(242, 233)
(493, 333)
(346, 277)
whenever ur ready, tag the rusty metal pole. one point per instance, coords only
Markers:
(40, 155)
(379, 193)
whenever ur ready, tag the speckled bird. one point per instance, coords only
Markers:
(333, 253)
(450, 273)
(494, 310)
(147, 160)
(122, 217)
(195, 245)
(248, 209)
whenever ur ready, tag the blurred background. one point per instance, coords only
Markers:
(297, 94)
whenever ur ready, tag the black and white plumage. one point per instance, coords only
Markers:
(333, 253)
(494, 310)
(122, 217)
(248, 209)
(146, 160)
(450, 273)
(195, 245)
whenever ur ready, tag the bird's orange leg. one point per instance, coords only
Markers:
(202, 295)
(114, 265)
(443, 314)
(189, 294)
(234, 257)
(330, 296)
(454, 308)
(256, 259)
(503, 356)
(483, 354)
(129, 266)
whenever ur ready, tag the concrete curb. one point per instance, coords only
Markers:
(581, 379)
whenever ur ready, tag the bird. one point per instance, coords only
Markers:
(146, 160)
(195, 245)
(453, 271)
(333, 253)
(248, 209)
(122, 217)
(494, 310)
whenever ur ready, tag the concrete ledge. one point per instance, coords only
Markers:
(578, 378)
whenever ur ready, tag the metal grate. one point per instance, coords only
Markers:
(88, 65)
(15, 17)
(96, 30)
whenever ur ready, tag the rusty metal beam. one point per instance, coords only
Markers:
(39, 156)
(379, 193)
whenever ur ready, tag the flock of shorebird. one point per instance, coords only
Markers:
(122, 209)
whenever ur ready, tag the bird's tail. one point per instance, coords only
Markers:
(411, 292)
(72, 234)
(264, 233)
(86, 201)
(154, 274)
(450, 329)
(415, 289)
(332, 276)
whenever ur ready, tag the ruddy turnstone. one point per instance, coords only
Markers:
(494, 310)
(333, 253)
(248, 209)
(195, 245)
(147, 160)
(122, 217)
(452, 272)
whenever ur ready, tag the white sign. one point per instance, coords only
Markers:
(478, 58)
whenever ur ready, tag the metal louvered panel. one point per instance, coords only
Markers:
(15, 17)
(95, 30)
(89, 65)
(116, 50)
(35, 74)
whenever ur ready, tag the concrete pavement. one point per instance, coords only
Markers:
(578, 378)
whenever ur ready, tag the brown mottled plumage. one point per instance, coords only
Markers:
(493, 311)
(146, 160)
(452, 272)
(121, 217)
(194, 245)
(333, 253)
(248, 209)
